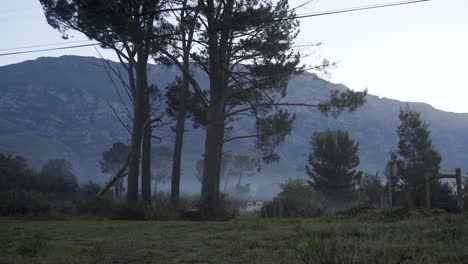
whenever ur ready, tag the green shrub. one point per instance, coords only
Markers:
(327, 249)
(371, 190)
(24, 203)
(296, 199)
(99, 206)
(31, 248)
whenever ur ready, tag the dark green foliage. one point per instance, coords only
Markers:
(273, 130)
(110, 209)
(332, 166)
(194, 107)
(338, 102)
(161, 161)
(22, 202)
(443, 196)
(415, 155)
(58, 178)
(112, 161)
(296, 199)
(465, 193)
(31, 248)
(15, 174)
(88, 190)
(371, 190)
(114, 158)
(107, 21)
(53, 190)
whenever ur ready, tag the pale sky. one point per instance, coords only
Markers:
(414, 53)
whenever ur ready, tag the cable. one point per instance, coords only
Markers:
(347, 10)
(331, 12)
(61, 48)
(45, 45)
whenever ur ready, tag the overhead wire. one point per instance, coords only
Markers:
(300, 16)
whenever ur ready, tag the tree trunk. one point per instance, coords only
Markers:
(226, 183)
(146, 150)
(155, 191)
(213, 144)
(179, 138)
(134, 156)
(211, 165)
(218, 65)
(240, 177)
(137, 130)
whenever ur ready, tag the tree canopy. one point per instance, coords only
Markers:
(415, 154)
(332, 165)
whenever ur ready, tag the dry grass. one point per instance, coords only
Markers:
(248, 239)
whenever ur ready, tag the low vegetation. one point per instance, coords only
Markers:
(361, 236)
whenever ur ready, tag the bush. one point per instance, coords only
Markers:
(24, 203)
(371, 190)
(99, 206)
(31, 248)
(296, 199)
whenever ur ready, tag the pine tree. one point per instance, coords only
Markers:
(112, 162)
(332, 165)
(416, 154)
(249, 57)
(130, 28)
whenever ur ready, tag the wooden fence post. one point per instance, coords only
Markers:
(427, 176)
(459, 189)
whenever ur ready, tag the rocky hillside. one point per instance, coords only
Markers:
(60, 107)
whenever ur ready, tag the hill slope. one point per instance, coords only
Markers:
(60, 107)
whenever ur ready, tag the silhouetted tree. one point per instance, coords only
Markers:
(58, 178)
(15, 174)
(246, 50)
(161, 158)
(242, 166)
(332, 165)
(112, 162)
(133, 29)
(186, 16)
(416, 154)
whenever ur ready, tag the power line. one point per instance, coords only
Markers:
(60, 48)
(354, 9)
(46, 45)
(324, 13)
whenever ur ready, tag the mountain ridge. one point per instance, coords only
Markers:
(59, 107)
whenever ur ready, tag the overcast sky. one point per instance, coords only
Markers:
(411, 53)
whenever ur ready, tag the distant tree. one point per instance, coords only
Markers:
(226, 164)
(112, 162)
(242, 166)
(416, 154)
(15, 174)
(332, 165)
(89, 190)
(161, 160)
(58, 177)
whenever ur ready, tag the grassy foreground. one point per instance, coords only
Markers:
(248, 239)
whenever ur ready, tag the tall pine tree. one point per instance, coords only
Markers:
(332, 165)
(416, 154)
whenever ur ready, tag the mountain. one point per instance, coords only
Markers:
(61, 108)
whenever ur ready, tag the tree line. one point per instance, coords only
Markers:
(332, 168)
(245, 48)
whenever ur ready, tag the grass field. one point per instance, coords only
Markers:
(389, 238)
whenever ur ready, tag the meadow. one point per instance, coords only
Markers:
(397, 236)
